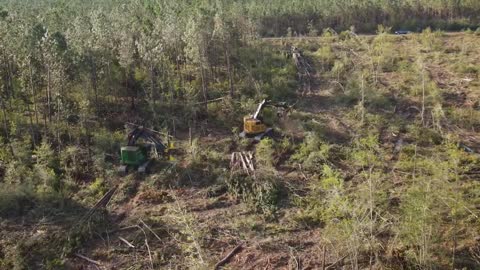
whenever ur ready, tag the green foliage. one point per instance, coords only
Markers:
(16, 173)
(326, 200)
(425, 136)
(468, 118)
(384, 55)
(21, 149)
(261, 193)
(367, 151)
(46, 157)
(15, 199)
(73, 73)
(98, 187)
(313, 153)
(430, 39)
(107, 142)
(327, 57)
(265, 153)
(419, 221)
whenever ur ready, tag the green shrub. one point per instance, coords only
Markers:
(17, 173)
(261, 193)
(46, 156)
(325, 201)
(326, 56)
(265, 153)
(107, 142)
(16, 199)
(464, 117)
(424, 136)
(313, 153)
(419, 221)
(464, 68)
(98, 187)
(21, 149)
(430, 40)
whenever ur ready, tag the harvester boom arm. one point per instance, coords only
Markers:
(144, 133)
(261, 105)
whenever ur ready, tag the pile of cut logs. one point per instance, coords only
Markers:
(243, 161)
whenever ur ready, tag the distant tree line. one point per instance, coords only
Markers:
(275, 17)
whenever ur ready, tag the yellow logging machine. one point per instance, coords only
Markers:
(253, 125)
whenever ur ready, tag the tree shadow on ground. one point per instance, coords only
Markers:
(38, 231)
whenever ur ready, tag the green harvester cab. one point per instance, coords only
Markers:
(133, 155)
(139, 155)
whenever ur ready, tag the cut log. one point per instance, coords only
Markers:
(244, 164)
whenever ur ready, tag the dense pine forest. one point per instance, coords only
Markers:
(373, 162)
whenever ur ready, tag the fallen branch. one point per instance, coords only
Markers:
(210, 101)
(335, 263)
(149, 253)
(302, 173)
(126, 242)
(122, 229)
(229, 256)
(150, 229)
(87, 259)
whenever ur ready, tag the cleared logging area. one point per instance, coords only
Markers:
(372, 163)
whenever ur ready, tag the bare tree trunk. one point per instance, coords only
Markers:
(179, 71)
(34, 92)
(94, 80)
(110, 83)
(49, 111)
(363, 101)
(31, 125)
(132, 97)
(454, 250)
(229, 71)
(5, 120)
(154, 88)
(423, 97)
(204, 87)
(371, 206)
(8, 78)
(59, 112)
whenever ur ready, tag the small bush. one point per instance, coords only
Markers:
(107, 142)
(262, 194)
(15, 200)
(325, 201)
(265, 153)
(327, 57)
(313, 152)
